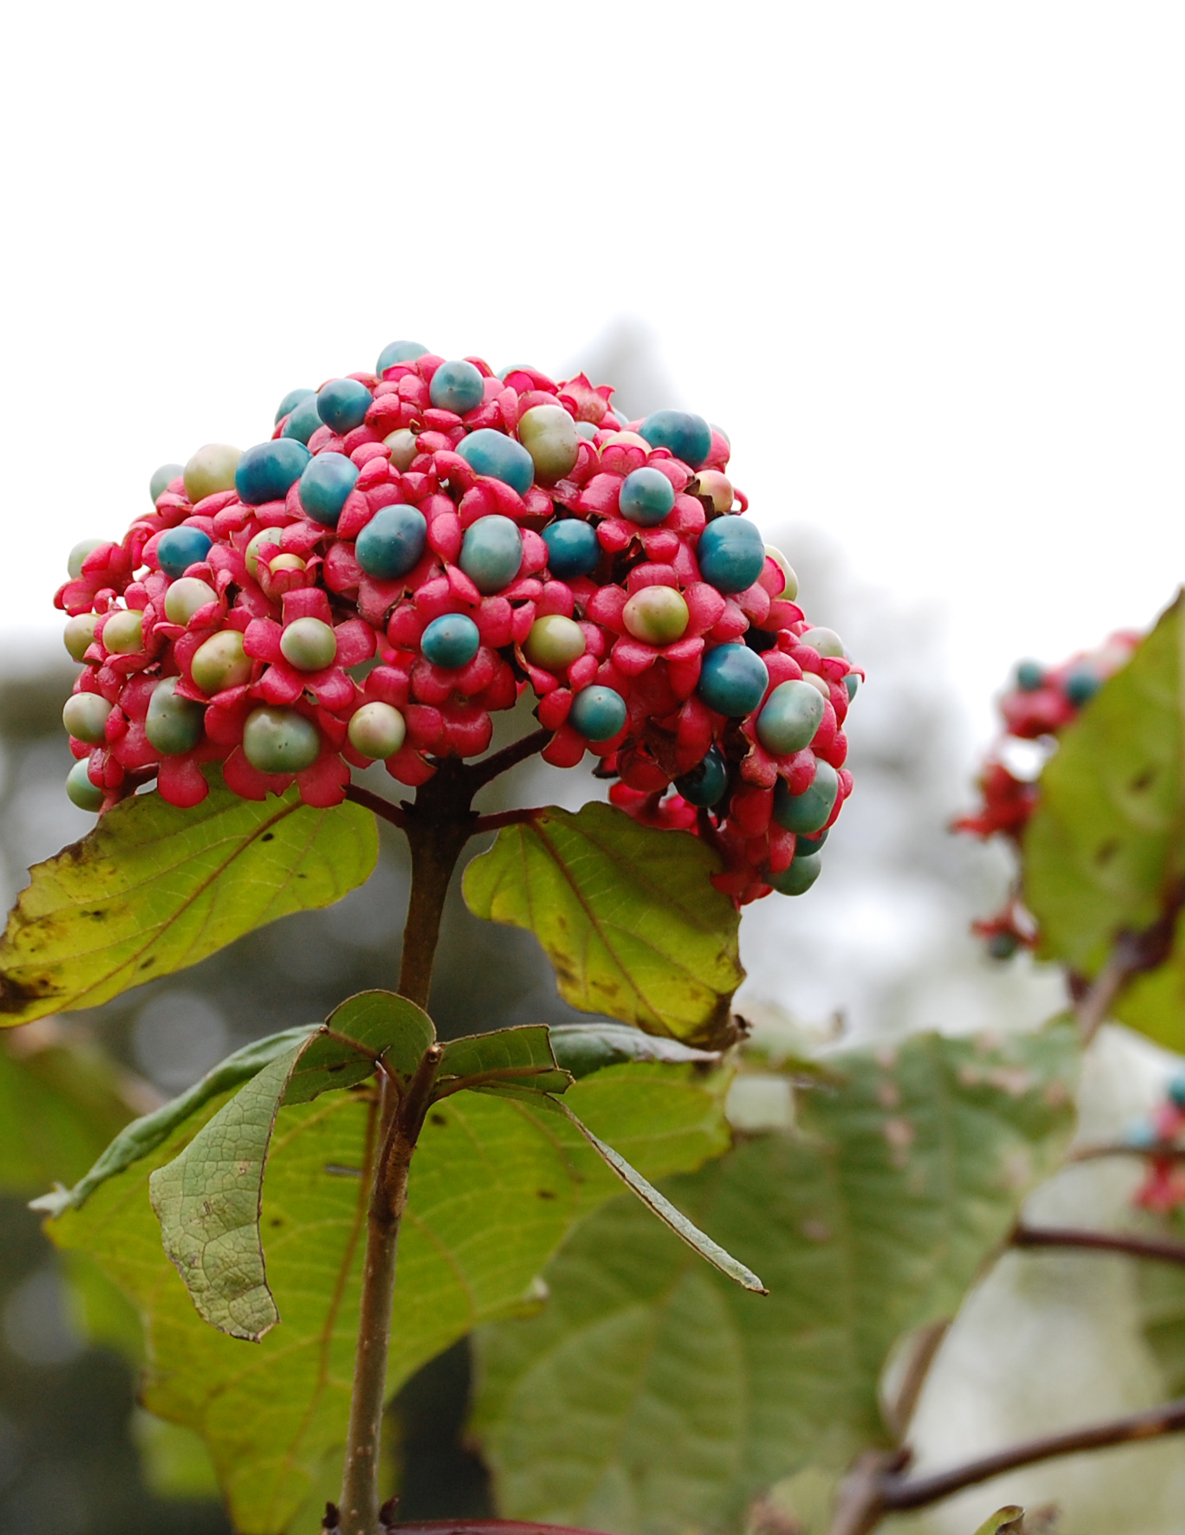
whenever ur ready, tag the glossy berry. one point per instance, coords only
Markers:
(392, 542)
(80, 790)
(263, 546)
(398, 351)
(179, 548)
(646, 497)
(851, 682)
(1030, 675)
(825, 641)
(731, 554)
(572, 548)
(714, 488)
(799, 877)
(162, 478)
(78, 554)
(210, 470)
(491, 552)
(732, 680)
(456, 386)
(656, 615)
(309, 644)
(172, 725)
(123, 633)
(325, 483)
(304, 420)
(85, 715)
(79, 635)
(597, 713)
(588, 431)
(281, 562)
(290, 401)
(549, 435)
(685, 435)
(812, 844)
(1081, 685)
(342, 404)
(403, 446)
(221, 662)
(788, 721)
(267, 471)
(707, 781)
(554, 642)
(789, 577)
(494, 454)
(807, 812)
(377, 730)
(186, 597)
(450, 641)
(280, 741)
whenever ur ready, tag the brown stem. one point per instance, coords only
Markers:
(479, 773)
(383, 808)
(503, 818)
(1100, 1241)
(1091, 1011)
(1162, 1151)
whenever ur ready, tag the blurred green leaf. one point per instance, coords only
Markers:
(519, 1056)
(1005, 1521)
(627, 915)
(154, 889)
(651, 1395)
(174, 1461)
(495, 1187)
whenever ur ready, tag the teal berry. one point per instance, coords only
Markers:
(1081, 685)
(173, 725)
(290, 401)
(77, 555)
(788, 722)
(597, 713)
(805, 845)
(85, 717)
(732, 680)
(706, 783)
(450, 641)
(647, 497)
(304, 420)
(811, 810)
(1002, 945)
(1030, 675)
(457, 386)
(162, 478)
(494, 454)
(491, 553)
(342, 404)
(325, 484)
(268, 471)
(852, 683)
(799, 877)
(280, 741)
(398, 351)
(685, 435)
(572, 549)
(586, 430)
(392, 542)
(179, 548)
(308, 644)
(1176, 1092)
(80, 790)
(731, 554)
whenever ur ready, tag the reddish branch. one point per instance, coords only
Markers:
(1128, 1243)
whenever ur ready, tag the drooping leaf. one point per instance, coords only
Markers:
(154, 889)
(495, 1186)
(1005, 1521)
(651, 1395)
(519, 1056)
(627, 915)
(582, 1048)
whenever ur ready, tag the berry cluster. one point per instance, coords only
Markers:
(1163, 1141)
(415, 547)
(1036, 707)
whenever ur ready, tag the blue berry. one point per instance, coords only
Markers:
(326, 482)
(597, 713)
(792, 714)
(799, 877)
(1177, 1092)
(1030, 675)
(450, 641)
(731, 554)
(1081, 685)
(179, 548)
(80, 790)
(706, 782)
(732, 680)
(647, 497)
(268, 471)
(304, 420)
(499, 456)
(809, 811)
(491, 553)
(398, 351)
(683, 434)
(852, 683)
(163, 478)
(342, 404)
(457, 386)
(572, 548)
(291, 400)
(392, 542)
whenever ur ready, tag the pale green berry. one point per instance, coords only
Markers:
(817, 682)
(186, 597)
(280, 741)
(85, 715)
(790, 587)
(221, 663)
(80, 634)
(309, 644)
(656, 615)
(377, 730)
(173, 724)
(123, 632)
(210, 470)
(254, 549)
(549, 435)
(554, 641)
(162, 478)
(825, 641)
(285, 562)
(403, 448)
(79, 553)
(80, 790)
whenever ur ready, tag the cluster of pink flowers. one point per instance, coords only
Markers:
(280, 630)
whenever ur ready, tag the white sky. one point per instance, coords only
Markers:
(924, 262)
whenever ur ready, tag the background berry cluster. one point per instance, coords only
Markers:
(414, 548)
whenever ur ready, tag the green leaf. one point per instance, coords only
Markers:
(582, 1048)
(495, 1187)
(365, 1027)
(627, 915)
(154, 889)
(519, 1056)
(651, 1395)
(1005, 1521)
(174, 1461)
